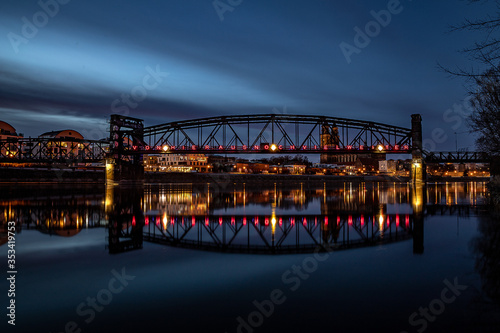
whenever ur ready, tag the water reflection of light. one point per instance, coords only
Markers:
(273, 221)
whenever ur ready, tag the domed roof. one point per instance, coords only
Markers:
(7, 128)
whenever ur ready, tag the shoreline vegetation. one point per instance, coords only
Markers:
(13, 175)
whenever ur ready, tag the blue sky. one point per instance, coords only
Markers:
(264, 57)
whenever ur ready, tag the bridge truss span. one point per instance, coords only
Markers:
(457, 157)
(264, 133)
(52, 150)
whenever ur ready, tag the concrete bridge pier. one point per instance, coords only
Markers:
(418, 169)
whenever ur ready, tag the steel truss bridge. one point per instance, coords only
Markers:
(242, 134)
(457, 157)
(52, 150)
(272, 133)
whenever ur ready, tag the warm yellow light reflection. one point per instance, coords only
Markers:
(165, 221)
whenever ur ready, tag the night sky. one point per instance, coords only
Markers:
(243, 57)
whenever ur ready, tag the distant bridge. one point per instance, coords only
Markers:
(457, 157)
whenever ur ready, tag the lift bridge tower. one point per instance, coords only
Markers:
(123, 167)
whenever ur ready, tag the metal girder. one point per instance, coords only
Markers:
(48, 150)
(247, 134)
(457, 157)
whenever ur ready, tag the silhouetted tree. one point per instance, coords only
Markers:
(485, 53)
(485, 92)
(485, 120)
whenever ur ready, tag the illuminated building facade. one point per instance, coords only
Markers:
(8, 132)
(183, 163)
(65, 144)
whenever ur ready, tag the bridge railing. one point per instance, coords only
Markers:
(64, 150)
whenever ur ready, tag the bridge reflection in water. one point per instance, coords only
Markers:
(273, 218)
(277, 234)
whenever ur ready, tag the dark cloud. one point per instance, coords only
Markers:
(264, 55)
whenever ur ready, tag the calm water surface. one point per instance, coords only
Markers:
(349, 257)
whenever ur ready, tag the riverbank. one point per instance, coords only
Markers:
(55, 175)
(32, 175)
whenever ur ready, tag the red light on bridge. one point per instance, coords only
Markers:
(349, 220)
(244, 221)
(304, 221)
(220, 220)
(207, 221)
(397, 220)
(326, 220)
(362, 219)
(280, 221)
(232, 220)
(292, 221)
(256, 220)
(266, 221)
(146, 220)
(193, 221)
(133, 221)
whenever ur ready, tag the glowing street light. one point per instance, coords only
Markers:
(274, 147)
(380, 147)
(166, 148)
